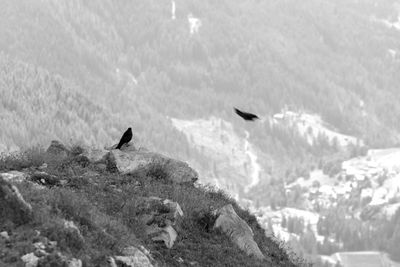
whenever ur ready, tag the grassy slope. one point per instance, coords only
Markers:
(107, 202)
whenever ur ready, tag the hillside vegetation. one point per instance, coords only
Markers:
(104, 206)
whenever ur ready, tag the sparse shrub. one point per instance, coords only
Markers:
(72, 206)
(365, 201)
(205, 220)
(130, 218)
(32, 157)
(76, 150)
(156, 170)
(52, 260)
(66, 239)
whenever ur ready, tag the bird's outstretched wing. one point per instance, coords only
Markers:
(246, 115)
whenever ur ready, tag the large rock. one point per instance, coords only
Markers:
(238, 231)
(160, 218)
(166, 234)
(95, 155)
(132, 257)
(126, 162)
(12, 205)
(14, 176)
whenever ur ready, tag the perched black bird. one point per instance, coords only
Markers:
(126, 138)
(245, 115)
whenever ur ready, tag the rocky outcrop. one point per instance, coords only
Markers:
(12, 205)
(126, 162)
(46, 254)
(161, 218)
(131, 257)
(238, 231)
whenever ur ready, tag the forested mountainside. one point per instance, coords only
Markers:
(36, 106)
(134, 59)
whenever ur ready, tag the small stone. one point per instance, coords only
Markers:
(30, 260)
(42, 167)
(101, 167)
(52, 244)
(74, 263)
(129, 251)
(91, 174)
(167, 234)
(40, 253)
(5, 235)
(112, 262)
(39, 245)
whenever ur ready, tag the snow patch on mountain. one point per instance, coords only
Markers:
(194, 24)
(392, 53)
(124, 76)
(389, 24)
(255, 167)
(173, 10)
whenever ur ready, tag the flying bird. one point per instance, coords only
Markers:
(126, 138)
(245, 115)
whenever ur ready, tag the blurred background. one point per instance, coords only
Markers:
(321, 169)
